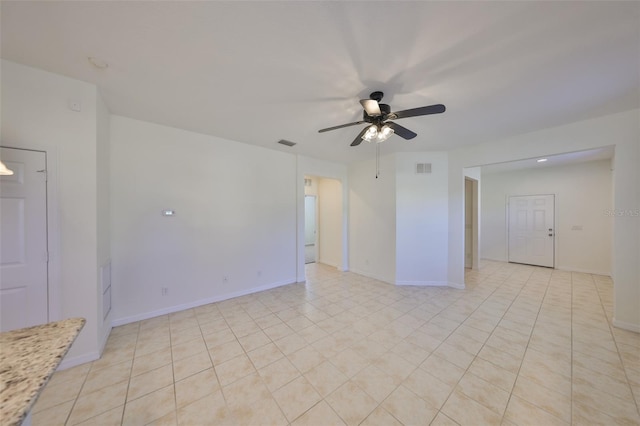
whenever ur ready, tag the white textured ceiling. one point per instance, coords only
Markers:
(598, 154)
(257, 72)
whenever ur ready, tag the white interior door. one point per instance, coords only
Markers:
(531, 229)
(23, 240)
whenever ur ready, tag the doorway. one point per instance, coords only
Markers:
(532, 229)
(24, 289)
(321, 237)
(310, 229)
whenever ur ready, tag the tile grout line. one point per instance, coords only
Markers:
(615, 342)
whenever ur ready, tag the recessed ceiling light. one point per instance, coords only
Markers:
(542, 160)
(98, 63)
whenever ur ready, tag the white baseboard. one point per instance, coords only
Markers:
(432, 284)
(75, 361)
(370, 275)
(456, 286)
(196, 303)
(626, 326)
(424, 283)
(493, 259)
(583, 271)
(335, 265)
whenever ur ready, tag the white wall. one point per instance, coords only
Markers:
(330, 218)
(621, 130)
(583, 194)
(36, 115)
(372, 219)
(235, 216)
(103, 219)
(421, 226)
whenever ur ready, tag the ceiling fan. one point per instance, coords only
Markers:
(379, 115)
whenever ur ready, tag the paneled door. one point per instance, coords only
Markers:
(23, 240)
(532, 229)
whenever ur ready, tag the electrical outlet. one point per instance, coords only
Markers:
(165, 291)
(75, 105)
(225, 279)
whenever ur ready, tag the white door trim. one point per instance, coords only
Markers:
(53, 228)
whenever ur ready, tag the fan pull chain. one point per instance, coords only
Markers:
(377, 160)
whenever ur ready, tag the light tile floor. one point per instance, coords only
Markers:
(521, 345)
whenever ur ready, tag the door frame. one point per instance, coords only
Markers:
(53, 229)
(318, 171)
(475, 225)
(555, 225)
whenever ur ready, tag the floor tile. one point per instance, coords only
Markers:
(245, 391)
(326, 378)
(99, 378)
(195, 387)
(432, 390)
(296, 397)
(112, 417)
(234, 369)
(278, 374)
(208, 410)
(151, 361)
(351, 403)
(92, 404)
(149, 407)
(380, 417)
(56, 415)
(189, 366)
(408, 407)
(375, 382)
(225, 352)
(442, 369)
(521, 412)
(306, 358)
(58, 393)
(532, 343)
(484, 392)
(150, 381)
(466, 411)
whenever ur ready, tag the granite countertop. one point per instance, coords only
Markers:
(28, 358)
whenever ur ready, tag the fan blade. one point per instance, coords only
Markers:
(339, 127)
(403, 132)
(426, 110)
(371, 106)
(358, 140)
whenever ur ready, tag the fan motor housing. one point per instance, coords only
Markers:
(384, 109)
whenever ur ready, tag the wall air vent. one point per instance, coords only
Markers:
(423, 168)
(286, 142)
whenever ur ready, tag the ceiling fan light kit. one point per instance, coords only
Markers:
(379, 116)
(375, 134)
